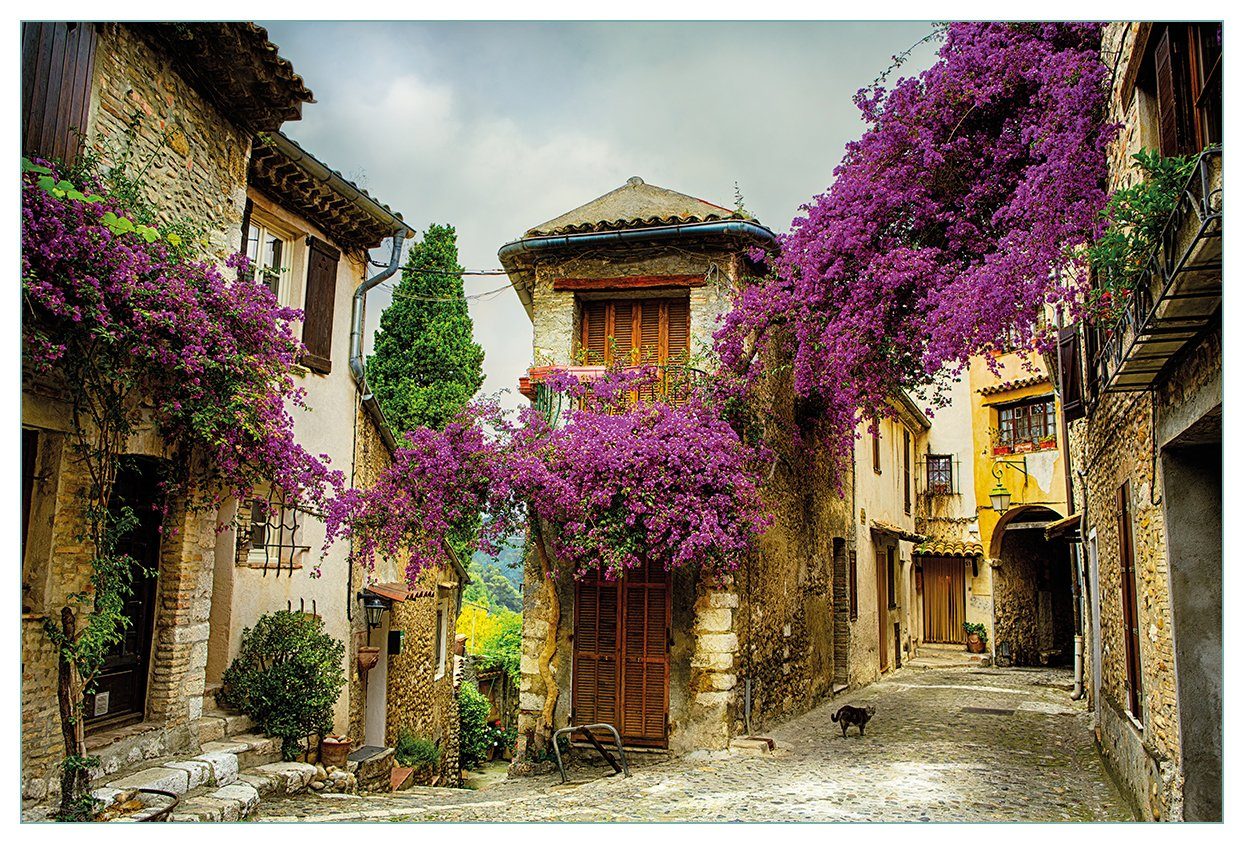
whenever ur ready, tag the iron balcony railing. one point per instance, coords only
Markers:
(1177, 293)
(671, 384)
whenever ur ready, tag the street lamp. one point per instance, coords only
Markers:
(1000, 496)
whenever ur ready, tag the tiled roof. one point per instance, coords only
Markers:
(237, 67)
(949, 548)
(879, 526)
(635, 205)
(1015, 384)
(299, 181)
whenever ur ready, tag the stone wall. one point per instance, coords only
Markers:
(192, 158)
(197, 173)
(1119, 441)
(418, 700)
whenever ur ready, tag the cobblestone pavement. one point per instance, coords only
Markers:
(926, 756)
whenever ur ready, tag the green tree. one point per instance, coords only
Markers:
(426, 365)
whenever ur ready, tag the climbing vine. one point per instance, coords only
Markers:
(132, 330)
(951, 223)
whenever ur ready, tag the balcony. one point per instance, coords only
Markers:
(1177, 296)
(667, 384)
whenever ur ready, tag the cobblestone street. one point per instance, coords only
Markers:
(946, 744)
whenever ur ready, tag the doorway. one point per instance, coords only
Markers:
(119, 693)
(621, 654)
(944, 600)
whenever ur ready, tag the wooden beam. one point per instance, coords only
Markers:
(635, 282)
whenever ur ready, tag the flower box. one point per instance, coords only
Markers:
(1022, 448)
(1001, 449)
(1050, 443)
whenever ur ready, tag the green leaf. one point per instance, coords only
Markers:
(29, 166)
(47, 183)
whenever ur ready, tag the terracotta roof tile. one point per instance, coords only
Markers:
(1014, 384)
(634, 205)
(949, 548)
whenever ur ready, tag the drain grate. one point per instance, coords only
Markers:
(984, 710)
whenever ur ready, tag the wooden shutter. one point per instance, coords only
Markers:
(1131, 624)
(58, 61)
(594, 689)
(593, 333)
(1168, 124)
(906, 471)
(318, 307)
(645, 654)
(1070, 380)
(877, 447)
(853, 587)
(678, 333)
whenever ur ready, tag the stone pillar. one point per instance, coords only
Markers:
(713, 668)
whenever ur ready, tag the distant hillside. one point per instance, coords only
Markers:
(497, 580)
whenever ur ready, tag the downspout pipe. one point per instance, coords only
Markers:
(357, 312)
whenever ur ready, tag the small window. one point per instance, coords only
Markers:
(271, 252)
(274, 536)
(441, 638)
(853, 587)
(1026, 426)
(940, 469)
(877, 446)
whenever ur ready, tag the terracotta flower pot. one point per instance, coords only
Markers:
(975, 645)
(369, 655)
(334, 750)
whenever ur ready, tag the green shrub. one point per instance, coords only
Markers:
(504, 646)
(287, 677)
(414, 751)
(970, 627)
(476, 734)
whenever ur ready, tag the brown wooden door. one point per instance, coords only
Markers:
(1131, 624)
(883, 611)
(944, 600)
(119, 693)
(621, 654)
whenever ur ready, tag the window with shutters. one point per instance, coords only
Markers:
(626, 332)
(940, 474)
(319, 305)
(270, 249)
(877, 446)
(853, 594)
(1070, 374)
(58, 60)
(1182, 73)
(906, 471)
(1131, 623)
(891, 598)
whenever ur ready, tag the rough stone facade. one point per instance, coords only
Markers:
(1126, 437)
(770, 626)
(197, 174)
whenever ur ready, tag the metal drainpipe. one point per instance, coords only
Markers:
(357, 312)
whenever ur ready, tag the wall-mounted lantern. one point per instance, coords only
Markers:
(1000, 496)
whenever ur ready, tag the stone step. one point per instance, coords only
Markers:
(221, 724)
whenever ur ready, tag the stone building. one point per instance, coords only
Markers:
(643, 273)
(192, 106)
(880, 622)
(1143, 399)
(203, 103)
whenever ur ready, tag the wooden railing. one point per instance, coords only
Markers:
(672, 384)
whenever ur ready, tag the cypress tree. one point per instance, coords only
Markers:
(426, 365)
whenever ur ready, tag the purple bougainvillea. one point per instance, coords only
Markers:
(949, 225)
(211, 355)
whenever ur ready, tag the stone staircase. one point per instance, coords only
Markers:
(235, 768)
(931, 655)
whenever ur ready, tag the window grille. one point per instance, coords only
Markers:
(275, 535)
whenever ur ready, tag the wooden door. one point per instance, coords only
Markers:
(621, 654)
(944, 600)
(883, 611)
(120, 689)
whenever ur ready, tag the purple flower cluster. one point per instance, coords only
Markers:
(211, 354)
(950, 224)
(655, 482)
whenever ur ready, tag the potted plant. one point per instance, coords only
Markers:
(977, 636)
(1048, 442)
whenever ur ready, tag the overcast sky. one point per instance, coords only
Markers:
(495, 127)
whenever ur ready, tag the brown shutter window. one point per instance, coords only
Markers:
(906, 471)
(58, 61)
(1070, 381)
(1131, 623)
(853, 587)
(877, 446)
(317, 325)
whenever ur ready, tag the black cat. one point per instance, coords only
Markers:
(853, 716)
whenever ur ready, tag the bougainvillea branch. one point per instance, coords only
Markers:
(950, 224)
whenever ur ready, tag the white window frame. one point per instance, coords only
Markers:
(268, 228)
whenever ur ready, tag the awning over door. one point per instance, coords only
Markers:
(398, 592)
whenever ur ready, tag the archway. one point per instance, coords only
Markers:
(1032, 590)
